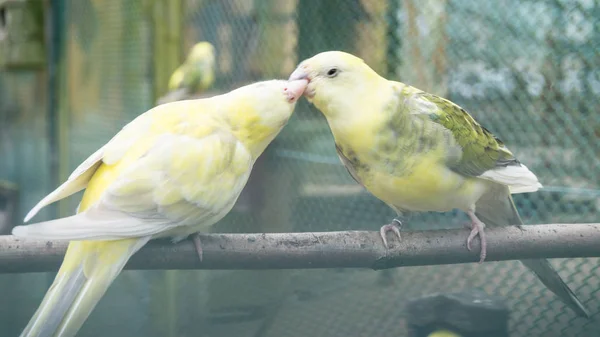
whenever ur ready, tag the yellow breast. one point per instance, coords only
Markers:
(428, 186)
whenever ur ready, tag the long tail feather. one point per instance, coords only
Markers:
(91, 225)
(552, 280)
(88, 270)
(497, 208)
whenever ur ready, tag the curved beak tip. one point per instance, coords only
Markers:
(299, 74)
(295, 89)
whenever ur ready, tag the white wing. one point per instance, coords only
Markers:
(112, 151)
(180, 181)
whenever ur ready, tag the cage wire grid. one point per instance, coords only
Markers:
(526, 70)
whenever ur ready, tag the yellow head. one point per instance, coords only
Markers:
(256, 113)
(202, 51)
(336, 79)
(198, 71)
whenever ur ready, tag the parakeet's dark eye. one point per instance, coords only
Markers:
(332, 72)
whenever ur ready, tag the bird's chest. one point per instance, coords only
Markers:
(418, 182)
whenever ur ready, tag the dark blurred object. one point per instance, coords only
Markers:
(319, 25)
(22, 42)
(9, 196)
(466, 314)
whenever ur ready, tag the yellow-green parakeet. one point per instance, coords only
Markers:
(419, 152)
(195, 75)
(175, 170)
(443, 333)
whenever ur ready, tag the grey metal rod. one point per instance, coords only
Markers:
(350, 249)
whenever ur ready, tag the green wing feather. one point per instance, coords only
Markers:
(482, 151)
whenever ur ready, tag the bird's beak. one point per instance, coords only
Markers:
(294, 89)
(301, 73)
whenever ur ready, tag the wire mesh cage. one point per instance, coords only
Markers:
(526, 70)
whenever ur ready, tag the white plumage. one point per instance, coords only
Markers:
(519, 179)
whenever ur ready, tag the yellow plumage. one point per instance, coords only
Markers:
(425, 188)
(173, 171)
(422, 182)
(443, 333)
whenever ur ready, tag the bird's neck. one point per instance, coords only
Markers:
(256, 131)
(353, 120)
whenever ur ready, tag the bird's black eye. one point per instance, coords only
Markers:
(332, 72)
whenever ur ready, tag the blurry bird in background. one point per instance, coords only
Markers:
(194, 76)
(173, 171)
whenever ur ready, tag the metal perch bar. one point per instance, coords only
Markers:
(349, 249)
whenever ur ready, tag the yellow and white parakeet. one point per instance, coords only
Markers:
(175, 170)
(419, 152)
(195, 75)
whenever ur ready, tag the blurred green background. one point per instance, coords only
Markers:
(527, 70)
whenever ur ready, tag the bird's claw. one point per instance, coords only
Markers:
(198, 245)
(477, 229)
(391, 227)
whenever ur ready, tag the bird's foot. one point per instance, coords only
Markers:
(198, 245)
(477, 229)
(391, 227)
